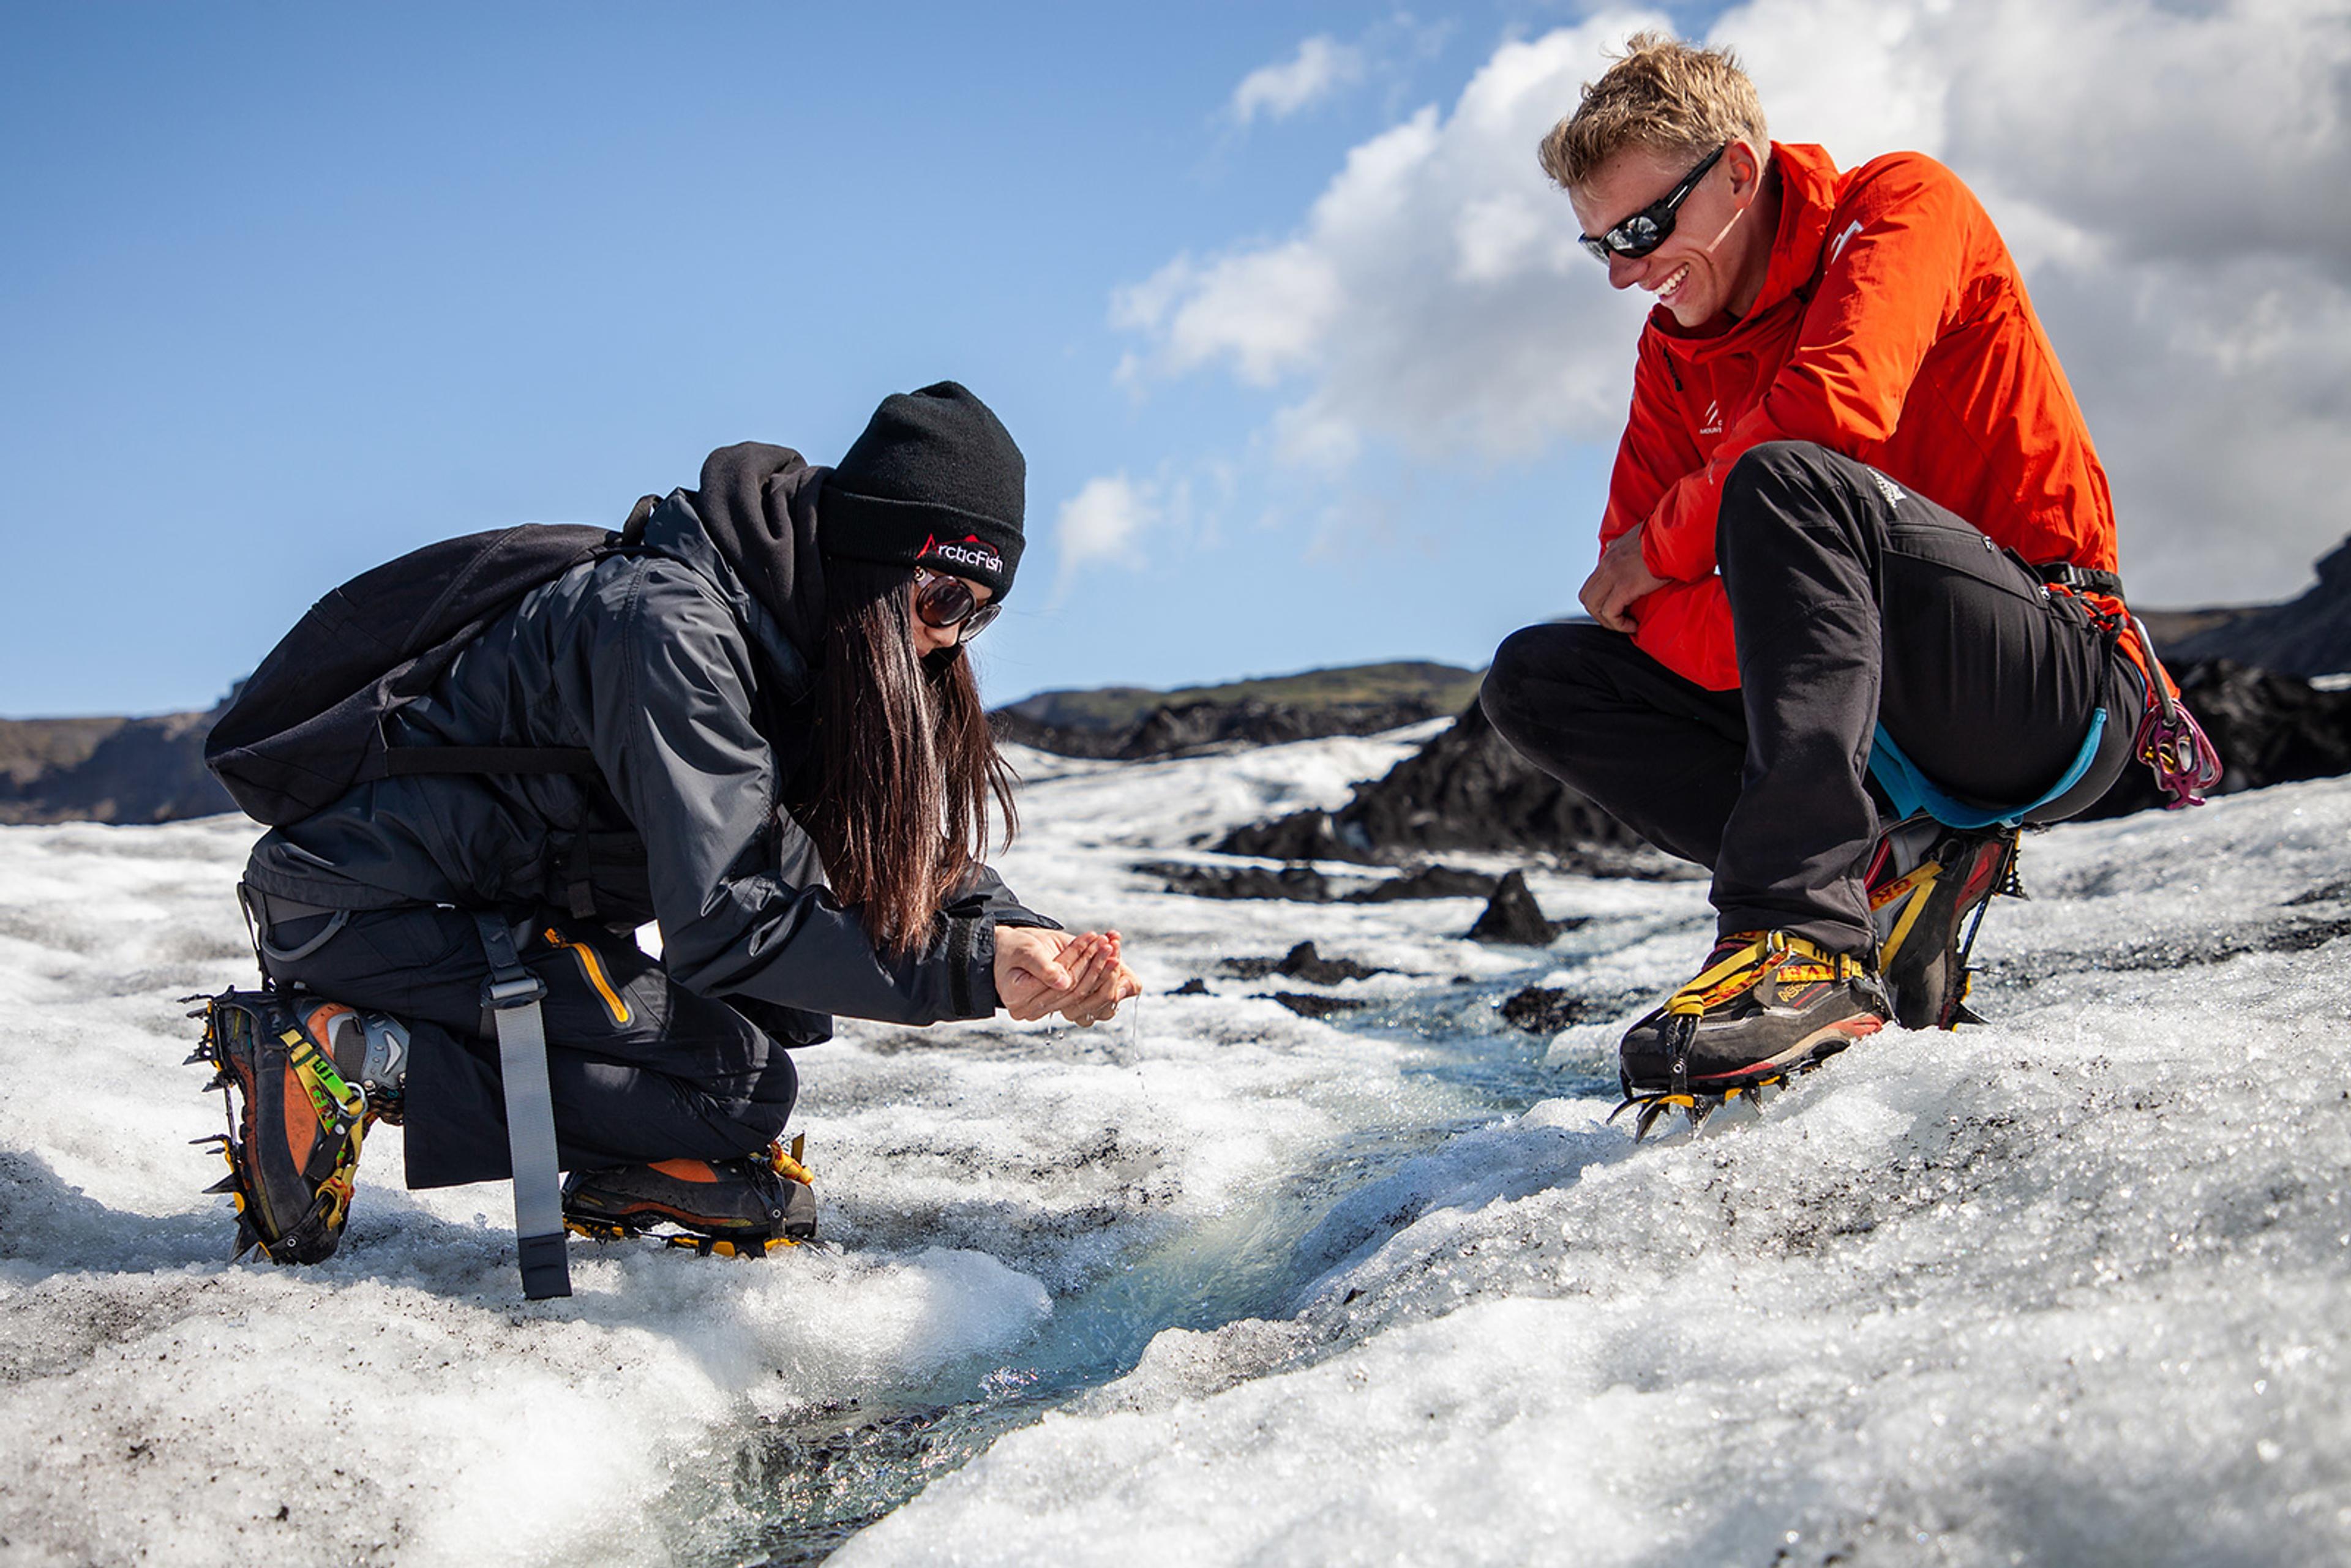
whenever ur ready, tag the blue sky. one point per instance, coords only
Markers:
(292, 288)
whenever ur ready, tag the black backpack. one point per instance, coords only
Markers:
(308, 723)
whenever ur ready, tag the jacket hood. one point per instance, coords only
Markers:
(1807, 194)
(751, 531)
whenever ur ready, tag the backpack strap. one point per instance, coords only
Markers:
(513, 995)
(2079, 579)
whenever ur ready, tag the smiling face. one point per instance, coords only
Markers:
(1720, 247)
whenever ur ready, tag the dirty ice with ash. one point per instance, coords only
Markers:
(1226, 1285)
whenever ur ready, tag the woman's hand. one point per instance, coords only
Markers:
(1030, 973)
(1078, 975)
(1099, 980)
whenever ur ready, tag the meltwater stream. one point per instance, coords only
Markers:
(812, 1482)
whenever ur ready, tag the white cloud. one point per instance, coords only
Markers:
(1322, 66)
(2170, 175)
(1433, 294)
(1105, 521)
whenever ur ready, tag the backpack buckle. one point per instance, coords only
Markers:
(519, 990)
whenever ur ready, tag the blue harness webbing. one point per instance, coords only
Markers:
(1913, 792)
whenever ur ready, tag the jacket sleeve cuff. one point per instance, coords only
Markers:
(1656, 553)
(971, 966)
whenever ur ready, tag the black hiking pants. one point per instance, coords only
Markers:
(1853, 602)
(642, 1069)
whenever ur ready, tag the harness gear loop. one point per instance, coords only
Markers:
(2170, 741)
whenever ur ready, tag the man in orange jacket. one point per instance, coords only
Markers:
(1852, 471)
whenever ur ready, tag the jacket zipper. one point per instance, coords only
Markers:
(591, 968)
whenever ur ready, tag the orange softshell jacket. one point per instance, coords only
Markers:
(1893, 327)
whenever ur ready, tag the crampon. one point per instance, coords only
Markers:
(734, 1209)
(1649, 1109)
(1766, 1007)
(295, 1123)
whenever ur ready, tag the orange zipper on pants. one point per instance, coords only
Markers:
(592, 969)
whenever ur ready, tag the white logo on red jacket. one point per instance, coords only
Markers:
(1712, 423)
(969, 551)
(1836, 245)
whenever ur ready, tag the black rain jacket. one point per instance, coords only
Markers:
(694, 697)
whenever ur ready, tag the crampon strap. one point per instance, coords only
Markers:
(1764, 955)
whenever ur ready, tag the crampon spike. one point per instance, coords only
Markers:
(1651, 1110)
(700, 1246)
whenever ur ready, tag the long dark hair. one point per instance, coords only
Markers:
(906, 761)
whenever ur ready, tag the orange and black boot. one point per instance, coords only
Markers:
(296, 1121)
(1765, 1004)
(1926, 881)
(738, 1207)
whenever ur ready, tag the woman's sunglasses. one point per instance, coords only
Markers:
(1647, 229)
(946, 603)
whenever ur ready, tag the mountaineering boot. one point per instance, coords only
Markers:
(1765, 1004)
(1926, 881)
(294, 1124)
(738, 1207)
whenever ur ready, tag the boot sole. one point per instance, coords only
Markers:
(1811, 1050)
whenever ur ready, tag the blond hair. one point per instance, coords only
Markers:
(1662, 94)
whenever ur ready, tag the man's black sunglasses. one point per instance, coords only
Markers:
(1647, 229)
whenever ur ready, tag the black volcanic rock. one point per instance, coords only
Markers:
(2310, 636)
(1135, 722)
(1180, 729)
(1300, 963)
(1297, 884)
(1466, 790)
(1430, 882)
(2269, 730)
(1546, 1009)
(1513, 916)
(1195, 727)
(1304, 884)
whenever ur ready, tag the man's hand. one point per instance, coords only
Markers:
(1080, 977)
(1621, 578)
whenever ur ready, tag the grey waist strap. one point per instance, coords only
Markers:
(513, 996)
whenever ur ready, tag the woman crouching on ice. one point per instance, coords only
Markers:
(791, 773)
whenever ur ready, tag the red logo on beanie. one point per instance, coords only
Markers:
(971, 550)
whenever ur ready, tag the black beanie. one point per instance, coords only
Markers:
(934, 481)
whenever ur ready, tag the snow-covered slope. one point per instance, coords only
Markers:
(1221, 1283)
